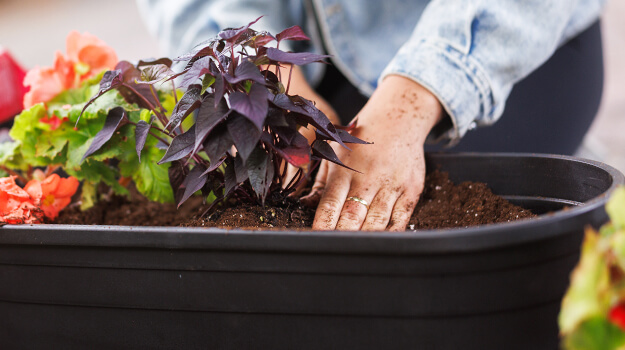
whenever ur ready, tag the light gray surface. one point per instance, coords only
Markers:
(34, 29)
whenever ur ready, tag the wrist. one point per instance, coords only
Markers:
(408, 103)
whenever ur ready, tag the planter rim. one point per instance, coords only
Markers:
(457, 240)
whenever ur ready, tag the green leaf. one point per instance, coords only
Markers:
(10, 155)
(616, 208)
(30, 133)
(207, 81)
(596, 333)
(89, 195)
(96, 172)
(28, 122)
(151, 179)
(589, 281)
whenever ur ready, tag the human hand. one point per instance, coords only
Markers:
(397, 119)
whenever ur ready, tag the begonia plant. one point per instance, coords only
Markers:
(593, 310)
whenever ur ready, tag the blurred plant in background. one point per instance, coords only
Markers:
(593, 309)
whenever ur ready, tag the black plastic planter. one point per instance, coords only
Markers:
(490, 287)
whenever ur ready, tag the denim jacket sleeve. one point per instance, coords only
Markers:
(180, 25)
(470, 53)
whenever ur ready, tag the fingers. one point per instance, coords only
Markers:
(402, 211)
(331, 203)
(349, 206)
(380, 211)
(355, 208)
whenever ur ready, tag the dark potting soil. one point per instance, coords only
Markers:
(442, 205)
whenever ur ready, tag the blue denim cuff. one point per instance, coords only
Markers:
(458, 82)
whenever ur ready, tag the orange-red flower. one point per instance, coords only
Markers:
(16, 205)
(91, 53)
(53, 193)
(86, 57)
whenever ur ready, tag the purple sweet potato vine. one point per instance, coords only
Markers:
(245, 127)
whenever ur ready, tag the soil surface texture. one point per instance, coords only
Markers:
(442, 205)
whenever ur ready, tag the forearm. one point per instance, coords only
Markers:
(469, 54)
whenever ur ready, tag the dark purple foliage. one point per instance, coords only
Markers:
(151, 61)
(292, 33)
(246, 126)
(141, 134)
(253, 105)
(297, 58)
(195, 180)
(178, 172)
(180, 146)
(187, 104)
(208, 117)
(114, 120)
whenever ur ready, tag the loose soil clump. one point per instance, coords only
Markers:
(442, 205)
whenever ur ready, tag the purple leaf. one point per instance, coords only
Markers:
(297, 58)
(177, 173)
(187, 104)
(260, 40)
(345, 136)
(230, 178)
(253, 106)
(276, 118)
(214, 165)
(286, 134)
(196, 54)
(310, 113)
(240, 170)
(244, 134)
(218, 142)
(110, 80)
(193, 182)
(260, 171)
(321, 150)
(271, 81)
(132, 92)
(296, 153)
(208, 117)
(151, 61)
(220, 88)
(293, 33)
(245, 71)
(199, 68)
(141, 134)
(113, 120)
(154, 73)
(180, 146)
(232, 35)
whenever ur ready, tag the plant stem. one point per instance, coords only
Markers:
(158, 114)
(298, 176)
(156, 98)
(153, 134)
(159, 138)
(173, 87)
(288, 84)
(13, 173)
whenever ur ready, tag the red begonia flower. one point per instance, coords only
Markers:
(54, 193)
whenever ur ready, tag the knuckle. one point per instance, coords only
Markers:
(349, 216)
(375, 218)
(330, 205)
